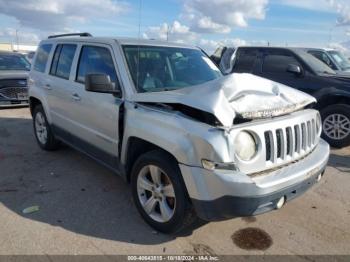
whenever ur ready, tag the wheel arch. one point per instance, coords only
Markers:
(332, 99)
(135, 148)
(33, 102)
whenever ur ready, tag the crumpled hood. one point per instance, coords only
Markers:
(236, 95)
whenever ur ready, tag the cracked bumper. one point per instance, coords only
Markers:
(224, 194)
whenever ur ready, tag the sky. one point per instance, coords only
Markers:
(206, 23)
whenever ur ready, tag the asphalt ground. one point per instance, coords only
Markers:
(86, 209)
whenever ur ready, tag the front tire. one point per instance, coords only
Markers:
(336, 125)
(42, 130)
(160, 194)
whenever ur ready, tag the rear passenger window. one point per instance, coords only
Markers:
(245, 61)
(278, 63)
(42, 57)
(62, 60)
(95, 60)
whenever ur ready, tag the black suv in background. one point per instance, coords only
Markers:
(298, 69)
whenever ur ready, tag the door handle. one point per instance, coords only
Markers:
(48, 87)
(76, 97)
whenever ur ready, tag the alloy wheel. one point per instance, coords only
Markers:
(336, 126)
(41, 128)
(156, 193)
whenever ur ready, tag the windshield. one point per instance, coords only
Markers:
(315, 64)
(341, 59)
(13, 62)
(155, 69)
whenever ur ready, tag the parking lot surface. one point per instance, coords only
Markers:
(86, 209)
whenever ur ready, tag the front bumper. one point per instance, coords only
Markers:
(13, 103)
(13, 96)
(222, 194)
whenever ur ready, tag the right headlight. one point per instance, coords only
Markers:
(245, 146)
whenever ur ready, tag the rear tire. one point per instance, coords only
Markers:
(42, 130)
(159, 193)
(336, 125)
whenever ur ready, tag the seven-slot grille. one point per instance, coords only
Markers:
(13, 88)
(291, 141)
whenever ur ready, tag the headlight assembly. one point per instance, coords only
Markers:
(318, 124)
(245, 146)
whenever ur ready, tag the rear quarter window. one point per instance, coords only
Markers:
(42, 57)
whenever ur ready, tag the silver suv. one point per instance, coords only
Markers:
(191, 142)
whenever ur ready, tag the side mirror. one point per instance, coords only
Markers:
(100, 83)
(294, 69)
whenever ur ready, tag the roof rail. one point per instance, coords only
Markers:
(73, 34)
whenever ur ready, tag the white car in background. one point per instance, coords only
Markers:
(331, 57)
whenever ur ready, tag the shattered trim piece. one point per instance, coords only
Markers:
(274, 112)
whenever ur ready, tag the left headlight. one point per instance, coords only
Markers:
(245, 146)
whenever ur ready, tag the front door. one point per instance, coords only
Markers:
(96, 115)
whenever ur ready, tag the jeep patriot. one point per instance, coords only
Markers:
(191, 142)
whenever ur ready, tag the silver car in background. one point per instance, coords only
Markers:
(333, 58)
(14, 69)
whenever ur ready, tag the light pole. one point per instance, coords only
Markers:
(168, 31)
(17, 39)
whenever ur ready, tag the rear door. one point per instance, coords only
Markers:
(39, 70)
(274, 64)
(96, 115)
(58, 86)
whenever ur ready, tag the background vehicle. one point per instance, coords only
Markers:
(30, 56)
(14, 69)
(332, 58)
(162, 116)
(223, 58)
(298, 69)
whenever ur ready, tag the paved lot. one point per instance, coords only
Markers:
(85, 209)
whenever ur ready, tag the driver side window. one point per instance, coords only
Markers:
(278, 62)
(95, 60)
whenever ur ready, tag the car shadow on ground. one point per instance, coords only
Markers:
(340, 162)
(72, 191)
